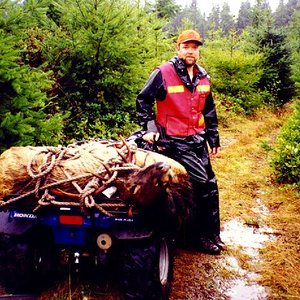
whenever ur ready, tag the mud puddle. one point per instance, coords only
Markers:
(248, 241)
(234, 274)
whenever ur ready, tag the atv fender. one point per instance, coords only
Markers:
(14, 223)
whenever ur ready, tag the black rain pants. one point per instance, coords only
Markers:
(192, 153)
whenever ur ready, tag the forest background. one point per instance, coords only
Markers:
(71, 70)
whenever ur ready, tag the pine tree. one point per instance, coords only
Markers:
(294, 43)
(234, 72)
(214, 18)
(166, 8)
(281, 18)
(100, 55)
(292, 6)
(23, 101)
(244, 16)
(276, 63)
(276, 57)
(189, 17)
(226, 19)
(261, 15)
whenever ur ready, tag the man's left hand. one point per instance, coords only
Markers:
(214, 151)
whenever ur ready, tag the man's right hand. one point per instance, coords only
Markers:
(151, 137)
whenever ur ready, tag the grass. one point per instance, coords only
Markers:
(281, 259)
(244, 175)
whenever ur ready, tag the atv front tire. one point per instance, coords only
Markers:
(147, 269)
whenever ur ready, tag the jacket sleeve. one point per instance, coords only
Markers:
(154, 89)
(211, 122)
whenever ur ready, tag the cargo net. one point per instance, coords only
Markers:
(74, 175)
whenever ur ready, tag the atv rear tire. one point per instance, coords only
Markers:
(24, 267)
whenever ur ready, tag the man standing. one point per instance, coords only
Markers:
(186, 119)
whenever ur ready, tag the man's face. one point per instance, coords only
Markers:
(188, 52)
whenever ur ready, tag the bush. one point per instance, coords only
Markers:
(234, 73)
(286, 161)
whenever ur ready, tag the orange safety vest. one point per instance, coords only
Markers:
(180, 113)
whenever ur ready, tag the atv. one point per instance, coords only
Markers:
(37, 247)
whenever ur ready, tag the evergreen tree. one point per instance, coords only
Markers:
(226, 19)
(281, 18)
(276, 63)
(214, 19)
(234, 72)
(189, 17)
(276, 80)
(285, 161)
(24, 87)
(166, 8)
(292, 6)
(261, 15)
(98, 55)
(101, 55)
(276, 57)
(294, 44)
(24, 101)
(244, 16)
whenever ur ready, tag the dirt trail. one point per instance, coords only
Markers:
(244, 178)
(243, 175)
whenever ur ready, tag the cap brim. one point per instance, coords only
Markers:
(195, 41)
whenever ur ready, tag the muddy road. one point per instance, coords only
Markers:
(202, 276)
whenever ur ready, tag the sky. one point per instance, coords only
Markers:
(205, 6)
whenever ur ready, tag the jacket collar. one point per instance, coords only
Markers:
(181, 70)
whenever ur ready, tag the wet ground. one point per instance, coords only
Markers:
(232, 275)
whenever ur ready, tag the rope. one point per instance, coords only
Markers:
(48, 166)
(101, 179)
(63, 181)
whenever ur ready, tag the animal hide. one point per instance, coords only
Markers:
(142, 177)
(153, 190)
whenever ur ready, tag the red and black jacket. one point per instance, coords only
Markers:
(184, 107)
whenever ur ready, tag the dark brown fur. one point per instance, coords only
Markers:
(153, 190)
